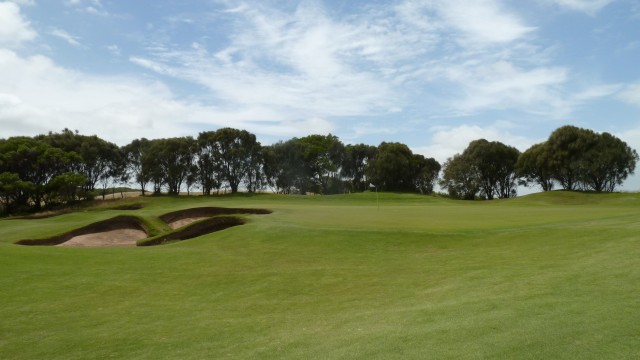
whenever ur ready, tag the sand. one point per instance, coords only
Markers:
(118, 237)
(186, 221)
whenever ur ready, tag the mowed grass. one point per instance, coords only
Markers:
(547, 276)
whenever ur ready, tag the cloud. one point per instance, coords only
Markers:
(448, 141)
(114, 49)
(483, 21)
(24, 2)
(38, 96)
(502, 85)
(590, 7)
(73, 40)
(304, 62)
(631, 94)
(301, 65)
(15, 29)
(93, 7)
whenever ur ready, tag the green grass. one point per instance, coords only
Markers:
(546, 276)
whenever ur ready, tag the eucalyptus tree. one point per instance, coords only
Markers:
(426, 171)
(14, 192)
(232, 152)
(35, 163)
(208, 166)
(153, 166)
(567, 146)
(66, 189)
(392, 168)
(284, 168)
(534, 166)
(484, 168)
(97, 156)
(135, 155)
(355, 166)
(608, 163)
(494, 165)
(459, 177)
(175, 158)
(322, 157)
(581, 159)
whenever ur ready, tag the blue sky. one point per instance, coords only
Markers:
(433, 74)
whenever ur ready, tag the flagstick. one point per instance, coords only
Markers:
(377, 200)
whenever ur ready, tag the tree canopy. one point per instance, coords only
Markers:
(61, 168)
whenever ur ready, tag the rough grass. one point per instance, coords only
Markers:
(547, 276)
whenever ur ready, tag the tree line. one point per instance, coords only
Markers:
(60, 168)
(572, 158)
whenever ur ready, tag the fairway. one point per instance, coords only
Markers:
(546, 276)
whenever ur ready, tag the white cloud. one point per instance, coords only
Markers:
(114, 49)
(448, 141)
(478, 22)
(15, 29)
(73, 40)
(483, 20)
(24, 2)
(502, 85)
(38, 96)
(590, 7)
(631, 94)
(93, 7)
(306, 63)
(300, 64)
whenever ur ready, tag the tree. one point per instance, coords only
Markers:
(135, 154)
(208, 163)
(322, 157)
(96, 156)
(66, 188)
(485, 168)
(175, 157)
(460, 178)
(34, 162)
(608, 163)
(234, 151)
(391, 170)
(12, 190)
(534, 166)
(426, 173)
(581, 159)
(356, 165)
(115, 172)
(283, 166)
(255, 178)
(567, 146)
(494, 165)
(152, 165)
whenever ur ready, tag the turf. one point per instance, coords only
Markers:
(546, 276)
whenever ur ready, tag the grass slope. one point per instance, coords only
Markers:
(544, 276)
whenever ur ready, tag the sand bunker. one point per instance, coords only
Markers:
(122, 237)
(118, 231)
(127, 230)
(180, 218)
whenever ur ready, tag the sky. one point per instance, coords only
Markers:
(432, 74)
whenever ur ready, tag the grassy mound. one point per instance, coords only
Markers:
(201, 212)
(196, 229)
